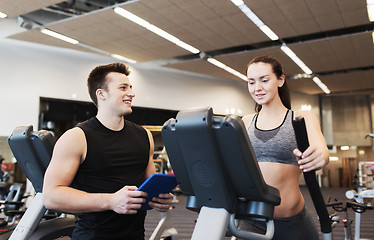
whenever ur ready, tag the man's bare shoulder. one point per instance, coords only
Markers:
(73, 140)
(75, 133)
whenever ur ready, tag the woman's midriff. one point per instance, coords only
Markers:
(285, 178)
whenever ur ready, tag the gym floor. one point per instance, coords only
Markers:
(184, 220)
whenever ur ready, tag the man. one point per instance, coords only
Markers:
(97, 166)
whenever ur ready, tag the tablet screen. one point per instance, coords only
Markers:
(155, 185)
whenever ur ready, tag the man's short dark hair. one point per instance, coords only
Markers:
(97, 78)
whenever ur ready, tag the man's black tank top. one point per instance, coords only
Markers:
(114, 159)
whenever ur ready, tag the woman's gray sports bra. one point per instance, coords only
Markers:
(275, 145)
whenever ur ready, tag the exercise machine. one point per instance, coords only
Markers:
(358, 208)
(11, 208)
(165, 228)
(311, 181)
(365, 175)
(4, 178)
(364, 192)
(216, 168)
(33, 151)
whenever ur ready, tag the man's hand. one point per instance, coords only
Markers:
(127, 200)
(162, 203)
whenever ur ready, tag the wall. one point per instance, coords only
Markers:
(349, 119)
(29, 71)
(299, 99)
(4, 149)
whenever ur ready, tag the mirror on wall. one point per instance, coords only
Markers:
(59, 115)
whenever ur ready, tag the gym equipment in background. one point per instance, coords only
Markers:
(363, 195)
(11, 207)
(358, 208)
(33, 151)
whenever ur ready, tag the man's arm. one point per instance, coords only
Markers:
(67, 156)
(164, 201)
(151, 169)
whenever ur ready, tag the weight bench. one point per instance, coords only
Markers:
(33, 151)
(216, 168)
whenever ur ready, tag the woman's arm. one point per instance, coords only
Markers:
(316, 156)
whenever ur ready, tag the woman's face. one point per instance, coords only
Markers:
(263, 84)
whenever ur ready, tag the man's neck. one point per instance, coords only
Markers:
(111, 122)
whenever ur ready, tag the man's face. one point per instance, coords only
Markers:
(119, 94)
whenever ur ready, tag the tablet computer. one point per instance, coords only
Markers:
(155, 185)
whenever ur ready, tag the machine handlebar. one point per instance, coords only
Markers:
(310, 177)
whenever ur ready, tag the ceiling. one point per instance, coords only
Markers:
(332, 37)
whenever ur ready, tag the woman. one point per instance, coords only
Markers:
(272, 136)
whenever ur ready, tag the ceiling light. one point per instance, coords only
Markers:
(116, 56)
(226, 68)
(3, 15)
(216, 63)
(162, 33)
(172, 39)
(302, 65)
(119, 57)
(269, 33)
(187, 47)
(333, 158)
(265, 29)
(237, 2)
(59, 36)
(344, 148)
(251, 15)
(138, 20)
(306, 107)
(301, 76)
(132, 17)
(73, 41)
(370, 8)
(256, 20)
(296, 59)
(321, 85)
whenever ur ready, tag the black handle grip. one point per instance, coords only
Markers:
(310, 177)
